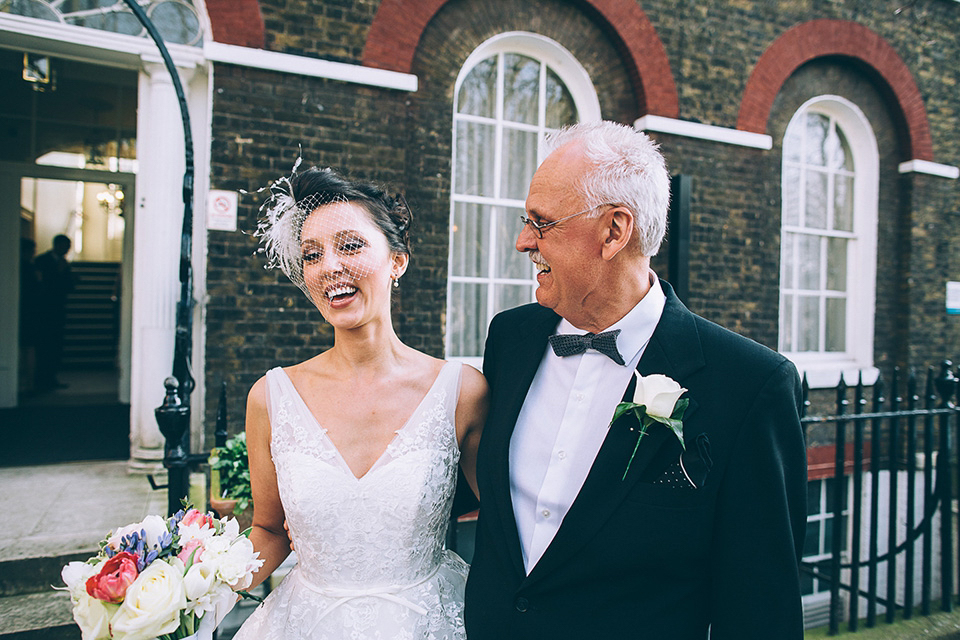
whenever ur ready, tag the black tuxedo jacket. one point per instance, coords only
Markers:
(636, 557)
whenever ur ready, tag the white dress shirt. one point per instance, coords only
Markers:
(564, 421)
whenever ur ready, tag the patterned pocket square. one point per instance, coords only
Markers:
(691, 469)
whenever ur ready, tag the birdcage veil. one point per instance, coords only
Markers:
(318, 219)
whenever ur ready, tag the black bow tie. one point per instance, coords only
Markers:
(572, 344)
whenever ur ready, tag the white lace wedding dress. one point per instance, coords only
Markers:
(371, 558)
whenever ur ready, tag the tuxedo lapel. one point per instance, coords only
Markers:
(521, 353)
(674, 350)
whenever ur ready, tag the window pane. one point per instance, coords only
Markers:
(808, 262)
(828, 535)
(813, 497)
(837, 264)
(520, 151)
(475, 159)
(831, 502)
(786, 327)
(791, 196)
(511, 295)
(789, 257)
(561, 110)
(521, 88)
(811, 542)
(791, 143)
(809, 329)
(467, 318)
(843, 203)
(816, 202)
(478, 92)
(510, 263)
(816, 131)
(843, 157)
(834, 150)
(470, 224)
(836, 328)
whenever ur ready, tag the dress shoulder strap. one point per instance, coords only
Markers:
(450, 378)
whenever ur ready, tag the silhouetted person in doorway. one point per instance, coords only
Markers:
(56, 281)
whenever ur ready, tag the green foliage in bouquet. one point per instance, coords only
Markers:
(231, 463)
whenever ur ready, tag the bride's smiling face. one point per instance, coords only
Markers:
(347, 264)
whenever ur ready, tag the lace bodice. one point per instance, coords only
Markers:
(371, 561)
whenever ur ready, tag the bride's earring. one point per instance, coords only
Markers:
(396, 282)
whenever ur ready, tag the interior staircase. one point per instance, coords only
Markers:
(92, 331)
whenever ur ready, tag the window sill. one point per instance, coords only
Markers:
(826, 375)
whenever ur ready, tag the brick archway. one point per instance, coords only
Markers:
(820, 38)
(236, 22)
(398, 26)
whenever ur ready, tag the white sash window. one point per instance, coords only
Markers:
(512, 90)
(828, 241)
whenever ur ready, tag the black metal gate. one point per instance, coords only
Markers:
(912, 437)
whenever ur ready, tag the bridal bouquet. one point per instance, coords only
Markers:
(162, 578)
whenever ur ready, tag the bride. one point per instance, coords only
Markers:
(356, 448)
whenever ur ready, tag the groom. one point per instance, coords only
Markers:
(576, 538)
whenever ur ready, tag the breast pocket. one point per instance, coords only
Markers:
(676, 522)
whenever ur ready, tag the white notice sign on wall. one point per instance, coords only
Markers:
(222, 210)
(953, 298)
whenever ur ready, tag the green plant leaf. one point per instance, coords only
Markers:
(621, 409)
(680, 408)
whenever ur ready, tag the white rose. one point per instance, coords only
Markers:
(93, 616)
(75, 576)
(658, 393)
(153, 526)
(153, 603)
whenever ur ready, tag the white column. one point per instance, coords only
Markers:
(156, 255)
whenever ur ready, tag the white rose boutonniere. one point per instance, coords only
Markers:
(656, 400)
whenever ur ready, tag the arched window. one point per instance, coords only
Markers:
(513, 89)
(828, 247)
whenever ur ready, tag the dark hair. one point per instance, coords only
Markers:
(390, 213)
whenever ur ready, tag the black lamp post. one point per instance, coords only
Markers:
(173, 416)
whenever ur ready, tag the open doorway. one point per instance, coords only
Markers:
(67, 175)
(74, 318)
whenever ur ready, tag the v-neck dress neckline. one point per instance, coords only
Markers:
(380, 461)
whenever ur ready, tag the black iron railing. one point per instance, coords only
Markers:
(900, 433)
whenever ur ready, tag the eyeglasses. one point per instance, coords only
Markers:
(540, 227)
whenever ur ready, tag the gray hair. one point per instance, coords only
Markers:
(628, 169)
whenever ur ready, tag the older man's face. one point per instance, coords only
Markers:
(568, 255)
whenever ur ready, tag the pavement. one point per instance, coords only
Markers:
(61, 509)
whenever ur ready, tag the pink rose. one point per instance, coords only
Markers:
(188, 548)
(193, 516)
(117, 573)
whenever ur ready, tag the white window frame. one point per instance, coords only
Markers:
(577, 81)
(824, 369)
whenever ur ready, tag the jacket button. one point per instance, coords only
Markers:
(522, 604)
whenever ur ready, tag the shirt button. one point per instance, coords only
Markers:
(562, 455)
(522, 604)
(579, 397)
(545, 513)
